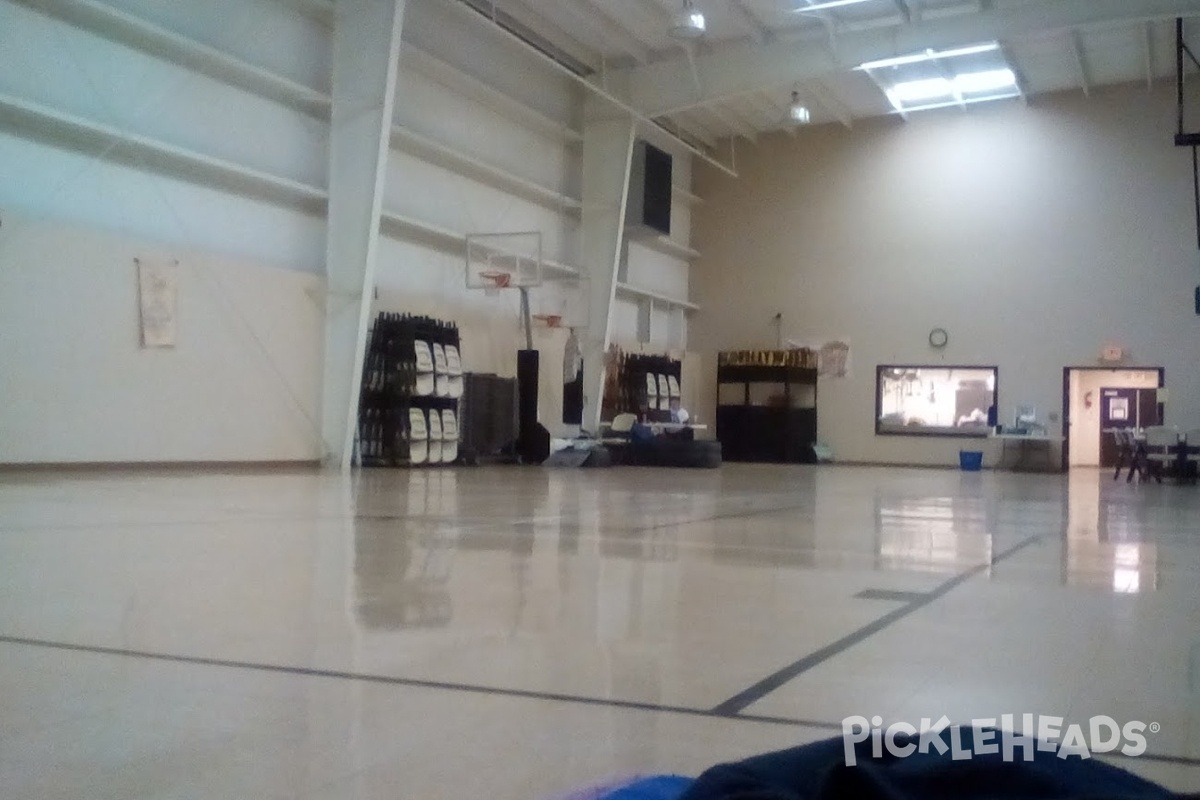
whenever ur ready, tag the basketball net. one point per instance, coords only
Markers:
(499, 280)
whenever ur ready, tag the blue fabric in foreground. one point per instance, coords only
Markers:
(658, 787)
(818, 771)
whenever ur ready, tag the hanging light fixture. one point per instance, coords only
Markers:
(689, 23)
(798, 112)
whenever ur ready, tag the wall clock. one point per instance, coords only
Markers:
(938, 338)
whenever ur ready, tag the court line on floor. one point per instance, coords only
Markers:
(524, 694)
(418, 683)
(747, 697)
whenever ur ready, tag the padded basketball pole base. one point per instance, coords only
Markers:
(533, 440)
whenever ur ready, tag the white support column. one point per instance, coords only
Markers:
(366, 51)
(608, 136)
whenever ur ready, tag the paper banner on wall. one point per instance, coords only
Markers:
(157, 299)
(833, 359)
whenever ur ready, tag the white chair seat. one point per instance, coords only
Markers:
(623, 423)
(1161, 448)
(1192, 441)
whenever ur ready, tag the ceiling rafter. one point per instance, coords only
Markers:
(1148, 52)
(749, 108)
(613, 34)
(1019, 78)
(656, 10)
(701, 129)
(750, 21)
(736, 82)
(548, 28)
(721, 128)
(835, 107)
(731, 118)
(778, 115)
(611, 17)
(673, 124)
(732, 69)
(870, 73)
(1081, 67)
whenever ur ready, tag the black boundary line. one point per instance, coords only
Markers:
(627, 705)
(311, 672)
(742, 700)
(889, 595)
(750, 512)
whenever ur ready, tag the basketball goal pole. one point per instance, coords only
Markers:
(526, 318)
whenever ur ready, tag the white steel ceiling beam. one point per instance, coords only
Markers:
(735, 121)
(693, 131)
(777, 114)
(595, 88)
(366, 61)
(1018, 73)
(747, 67)
(750, 109)
(709, 118)
(704, 127)
(1148, 52)
(612, 36)
(1081, 68)
(606, 174)
(884, 90)
(635, 45)
(545, 27)
(654, 10)
(830, 103)
(749, 21)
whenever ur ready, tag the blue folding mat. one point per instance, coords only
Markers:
(654, 787)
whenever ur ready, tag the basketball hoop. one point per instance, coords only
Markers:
(549, 320)
(499, 280)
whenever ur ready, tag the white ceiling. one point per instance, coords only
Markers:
(738, 80)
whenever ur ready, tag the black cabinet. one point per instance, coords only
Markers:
(767, 413)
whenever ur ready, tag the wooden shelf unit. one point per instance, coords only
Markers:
(774, 433)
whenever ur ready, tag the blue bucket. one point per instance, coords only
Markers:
(970, 460)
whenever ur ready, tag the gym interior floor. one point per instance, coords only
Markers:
(510, 632)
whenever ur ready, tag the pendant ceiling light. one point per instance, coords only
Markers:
(688, 23)
(797, 111)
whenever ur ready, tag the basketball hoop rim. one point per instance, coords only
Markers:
(500, 280)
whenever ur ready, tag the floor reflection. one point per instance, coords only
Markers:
(786, 542)
(402, 574)
(403, 562)
(941, 534)
(1105, 546)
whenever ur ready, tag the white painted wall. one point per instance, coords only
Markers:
(241, 384)
(648, 267)
(1034, 235)
(49, 62)
(74, 203)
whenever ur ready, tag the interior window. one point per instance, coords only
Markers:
(934, 401)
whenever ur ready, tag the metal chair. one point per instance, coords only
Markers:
(1125, 451)
(1161, 441)
(1191, 453)
(1133, 453)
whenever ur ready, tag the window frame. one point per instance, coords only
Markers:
(974, 433)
